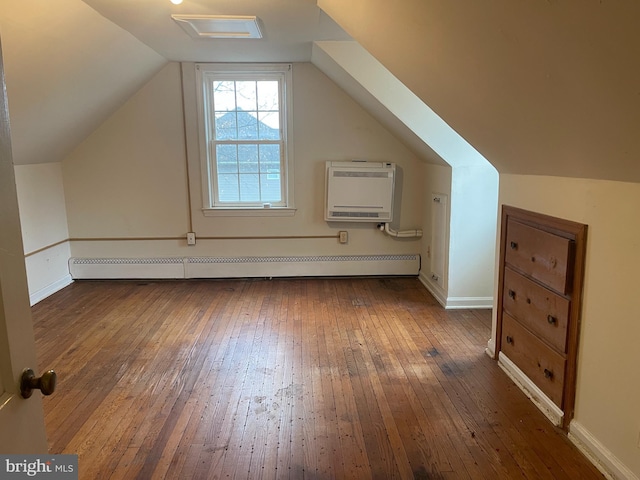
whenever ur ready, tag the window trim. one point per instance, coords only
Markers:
(205, 70)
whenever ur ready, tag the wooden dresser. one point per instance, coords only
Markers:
(539, 304)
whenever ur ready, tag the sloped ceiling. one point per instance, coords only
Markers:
(547, 88)
(289, 27)
(337, 70)
(67, 68)
(69, 64)
(541, 87)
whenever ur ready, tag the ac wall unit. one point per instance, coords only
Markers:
(359, 191)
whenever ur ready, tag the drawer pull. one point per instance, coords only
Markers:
(514, 245)
(512, 294)
(548, 373)
(509, 339)
(551, 319)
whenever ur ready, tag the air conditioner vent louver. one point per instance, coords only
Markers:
(359, 191)
(361, 174)
(375, 215)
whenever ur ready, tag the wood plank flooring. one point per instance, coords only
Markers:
(285, 379)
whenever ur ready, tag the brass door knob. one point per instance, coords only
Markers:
(29, 382)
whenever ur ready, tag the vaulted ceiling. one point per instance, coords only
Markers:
(67, 69)
(289, 27)
(69, 64)
(548, 88)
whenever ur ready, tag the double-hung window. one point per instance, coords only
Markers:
(244, 137)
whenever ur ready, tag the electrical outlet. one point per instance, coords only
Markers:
(344, 236)
(191, 238)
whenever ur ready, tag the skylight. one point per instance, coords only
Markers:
(219, 26)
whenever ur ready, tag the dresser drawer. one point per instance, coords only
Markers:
(542, 311)
(540, 363)
(543, 256)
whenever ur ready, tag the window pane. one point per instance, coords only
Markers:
(228, 189)
(269, 125)
(247, 126)
(246, 96)
(245, 129)
(270, 158)
(270, 185)
(224, 95)
(249, 188)
(226, 156)
(248, 158)
(268, 95)
(226, 126)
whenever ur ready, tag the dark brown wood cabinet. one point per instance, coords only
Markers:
(539, 303)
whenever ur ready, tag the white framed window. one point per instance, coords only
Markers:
(245, 144)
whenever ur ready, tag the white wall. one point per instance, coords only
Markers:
(474, 210)
(470, 238)
(608, 384)
(437, 179)
(129, 178)
(44, 224)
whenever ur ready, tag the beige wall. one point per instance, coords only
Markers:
(608, 389)
(44, 223)
(42, 207)
(128, 179)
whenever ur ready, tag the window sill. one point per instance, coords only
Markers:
(249, 212)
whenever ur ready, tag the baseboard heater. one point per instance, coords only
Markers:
(237, 267)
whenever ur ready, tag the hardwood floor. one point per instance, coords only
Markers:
(285, 378)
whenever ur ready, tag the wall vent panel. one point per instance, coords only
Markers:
(438, 238)
(359, 191)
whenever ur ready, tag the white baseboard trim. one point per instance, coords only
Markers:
(50, 289)
(434, 289)
(610, 466)
(469, 302)
(531, 390)
(491, 348)
(453, 303)
(238, 267)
